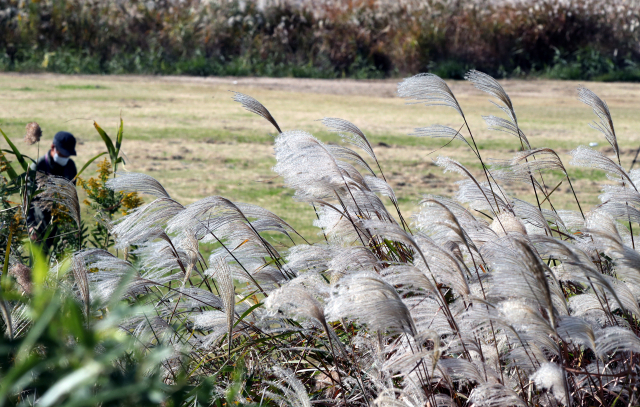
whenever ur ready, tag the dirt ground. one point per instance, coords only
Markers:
(190, 135)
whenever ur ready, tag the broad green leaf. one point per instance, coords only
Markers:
(107, 141)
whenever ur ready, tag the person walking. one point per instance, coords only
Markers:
(57, 162)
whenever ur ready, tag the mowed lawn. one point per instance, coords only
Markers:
(191, 136)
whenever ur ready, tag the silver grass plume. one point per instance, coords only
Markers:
(474, 188)
(545, 159)
(307, 166)
(495, 395)
(489, 85)
(534, 216)
(442, 265)
(506, 223)
(600, 108)
(347, 260)
(145, 222)
(460, 369)
(205, 216)
(499, 124)
(350, 133)
(190, 244)
(408, 276)
(535, 265)
(570, 255)
(438, 131)
(577, 330)
(104, 283)
(438, 214)
(80, 272)
(627, 259)
(429, 89)
(344, 153)
(255, 107)
(380, 186)
(621, 211)
(136, 182)
(222, 275)
(502, 170)
(367, 297)
(296, 301)
(308, 258)
(61, 191)
(618, 193)
(480, 197)
(551, 376)
(293, 392)
(616, 339)
(589, 158)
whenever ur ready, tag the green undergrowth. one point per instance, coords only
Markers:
(584, 64)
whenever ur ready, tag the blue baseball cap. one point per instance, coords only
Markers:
(65, 143)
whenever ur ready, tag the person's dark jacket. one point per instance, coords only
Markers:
(48, 166)
(38, 217)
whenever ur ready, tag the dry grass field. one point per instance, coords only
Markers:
(190, 135)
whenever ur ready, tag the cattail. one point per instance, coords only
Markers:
(22, 274)
(34, 132)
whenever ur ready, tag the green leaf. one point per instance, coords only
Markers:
(40, 269)
(119, 136)
(247, 312)
(10, 171)
(19, 156)
(88, 163)
(107, 141)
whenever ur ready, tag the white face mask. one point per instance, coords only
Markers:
(60, 160)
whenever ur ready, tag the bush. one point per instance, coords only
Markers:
(360, 39)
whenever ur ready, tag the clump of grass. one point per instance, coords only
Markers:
(481, 298)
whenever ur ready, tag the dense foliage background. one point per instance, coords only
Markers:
(581, 39)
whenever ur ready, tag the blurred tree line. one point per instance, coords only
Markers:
(581, 39)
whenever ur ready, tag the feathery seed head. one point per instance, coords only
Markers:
(33, 134)
(255, 107)
(429, 89)
(551, 377)
(506, 223)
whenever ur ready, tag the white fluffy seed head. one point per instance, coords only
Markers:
(506, 223)
(550, 377)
